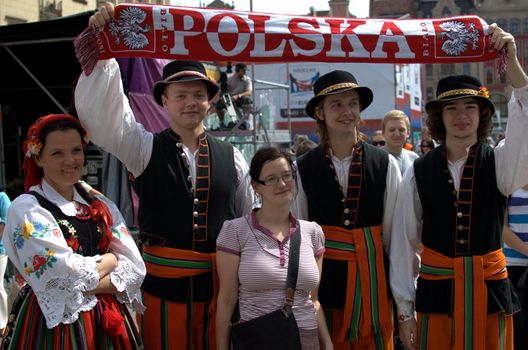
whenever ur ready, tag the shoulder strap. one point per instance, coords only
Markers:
(293, 264)
(44, 202)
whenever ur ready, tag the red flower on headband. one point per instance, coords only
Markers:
(33, 148)
(483, 92)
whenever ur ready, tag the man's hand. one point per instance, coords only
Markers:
(500, 38)
(514, 71)
(103, 16)
(408, 331)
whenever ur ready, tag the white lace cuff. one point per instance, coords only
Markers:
(127, 281)
(405, 310)
(63, 296)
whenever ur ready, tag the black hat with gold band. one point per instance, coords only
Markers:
(336, 82)
(460, 86)
(183, 71)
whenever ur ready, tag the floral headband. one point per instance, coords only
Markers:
(33, 145)
(33, 148)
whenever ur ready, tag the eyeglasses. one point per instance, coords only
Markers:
(271, 181)
(378, 143)
(426, 146)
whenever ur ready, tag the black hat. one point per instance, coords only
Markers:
(460, 86)
(336, 82)
(180, 71)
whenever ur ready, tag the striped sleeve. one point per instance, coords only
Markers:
(228, 240)
(318, 240)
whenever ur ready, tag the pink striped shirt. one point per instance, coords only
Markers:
(264, 265)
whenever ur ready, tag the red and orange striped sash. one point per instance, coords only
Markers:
(471, 299)
(366, 308)
(176, 263)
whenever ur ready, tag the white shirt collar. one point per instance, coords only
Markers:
(53, 196)
(461, 160)
(337, 160)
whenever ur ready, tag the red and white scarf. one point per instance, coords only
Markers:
(222, 35)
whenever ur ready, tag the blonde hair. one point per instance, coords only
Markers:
(396, 114)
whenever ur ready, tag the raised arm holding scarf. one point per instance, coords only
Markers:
(448, 219)
(223, 35)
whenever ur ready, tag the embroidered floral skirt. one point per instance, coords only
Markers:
(26, 328)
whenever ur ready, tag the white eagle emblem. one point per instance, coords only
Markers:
(127, 27)
(456, 37)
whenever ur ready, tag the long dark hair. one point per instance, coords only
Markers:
(436, 125)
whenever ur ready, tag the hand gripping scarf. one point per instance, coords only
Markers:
(222, 35)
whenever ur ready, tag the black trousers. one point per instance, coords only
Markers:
(520, 319)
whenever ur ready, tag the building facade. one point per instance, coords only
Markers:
(24, 11)
(393, 8)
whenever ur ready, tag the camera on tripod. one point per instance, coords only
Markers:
(224, 94)
(226, 110)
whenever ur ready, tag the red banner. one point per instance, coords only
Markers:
(223, 35)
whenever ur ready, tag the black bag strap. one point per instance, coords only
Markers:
(293, 265)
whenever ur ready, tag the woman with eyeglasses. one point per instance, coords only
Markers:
(253, 256)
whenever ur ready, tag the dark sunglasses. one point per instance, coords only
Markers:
(426, 146)
(378, 143)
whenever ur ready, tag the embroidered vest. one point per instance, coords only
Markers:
(175, 215)
(362, 207)
(81, 235)
(460, 224)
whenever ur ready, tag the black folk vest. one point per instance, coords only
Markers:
(169, 211)
(87, 233)
(326, 205)
(464, 223)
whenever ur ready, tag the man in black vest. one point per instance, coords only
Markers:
(349, 187)
(188, 182)
(448, 219)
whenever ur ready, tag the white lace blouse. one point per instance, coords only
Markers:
(58, 276)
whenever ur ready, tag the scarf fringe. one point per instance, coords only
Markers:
(86, 50)
(500, 63)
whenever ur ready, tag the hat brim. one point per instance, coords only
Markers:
(159, 87)
(433, 103)
(365, 97)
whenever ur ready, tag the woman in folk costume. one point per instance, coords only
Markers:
(349, 187)
(80, 263)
